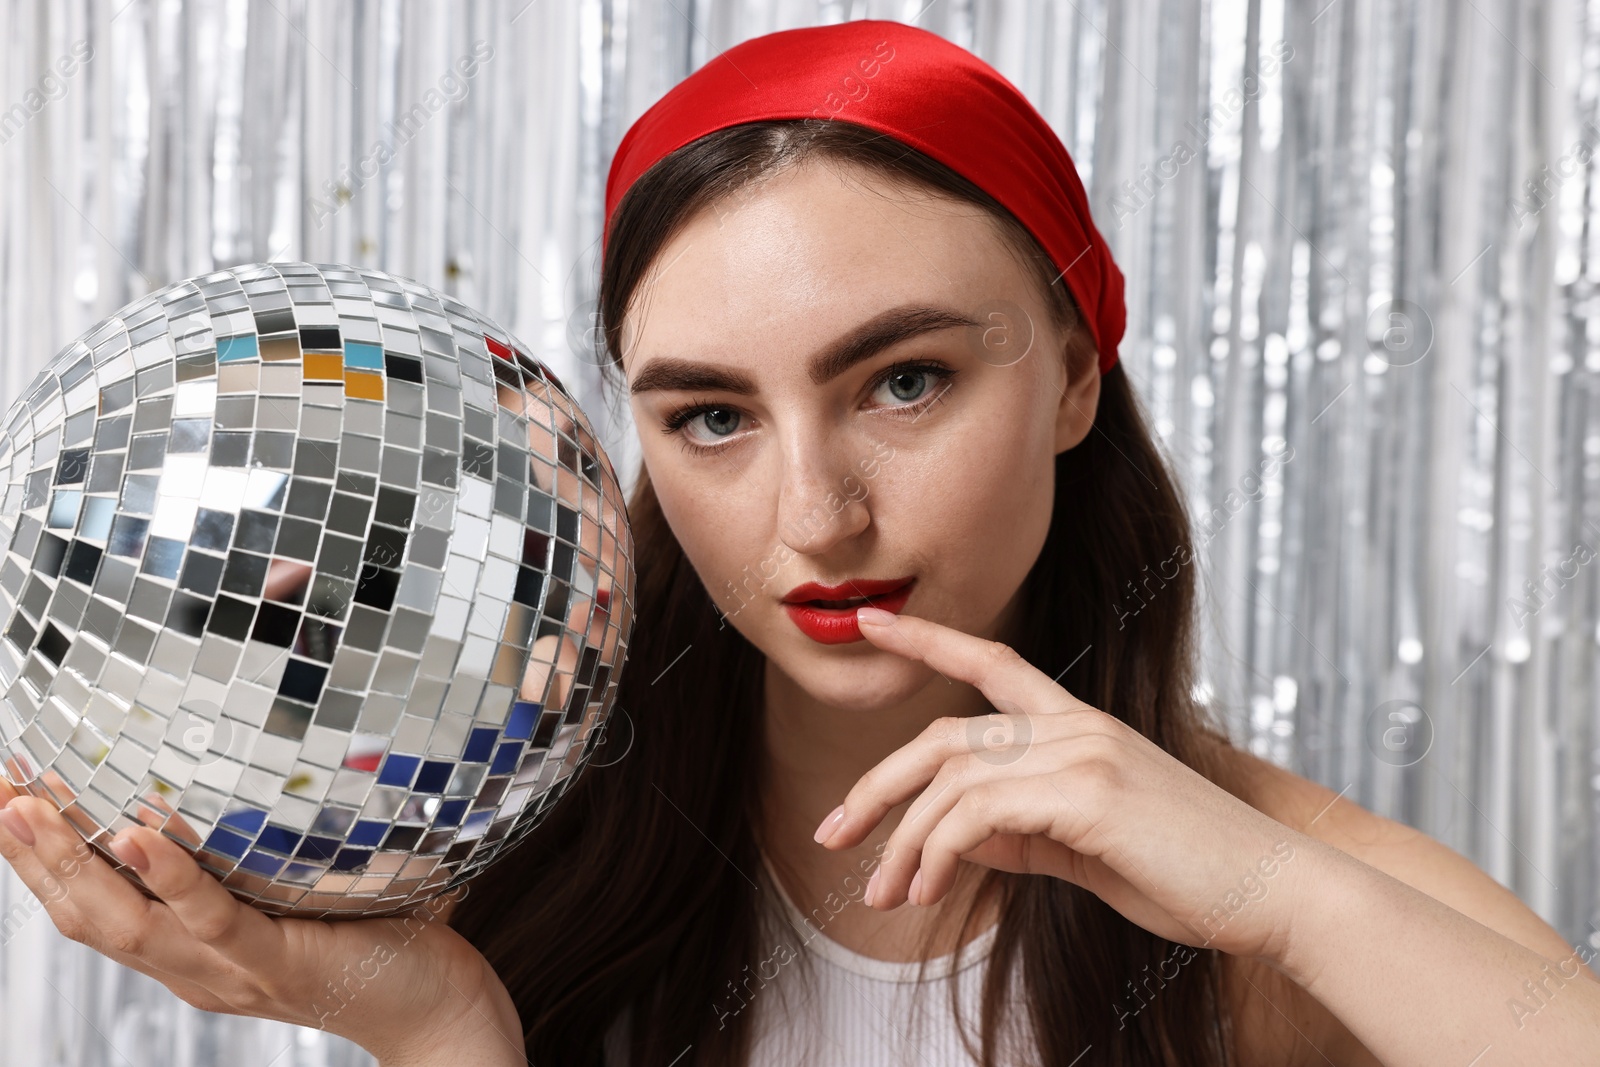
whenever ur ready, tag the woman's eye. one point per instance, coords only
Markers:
(688, 423)
(908, 385)
(718, 422)
(911, 388)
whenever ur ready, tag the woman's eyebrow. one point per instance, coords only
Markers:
(863, 341)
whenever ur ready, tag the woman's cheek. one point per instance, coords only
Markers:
(734, 570)
(990, 508)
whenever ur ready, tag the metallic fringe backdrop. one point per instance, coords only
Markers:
(1357, 237)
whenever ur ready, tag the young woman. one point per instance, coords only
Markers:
(867, 331)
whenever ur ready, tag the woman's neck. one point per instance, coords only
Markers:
(815, 753)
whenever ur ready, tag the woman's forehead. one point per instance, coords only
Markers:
(805, 259)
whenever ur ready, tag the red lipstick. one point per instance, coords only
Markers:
(827, 613)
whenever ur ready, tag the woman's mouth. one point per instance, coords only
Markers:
(831, 620)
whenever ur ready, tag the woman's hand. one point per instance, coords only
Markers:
(1050, 785)
(408, 989)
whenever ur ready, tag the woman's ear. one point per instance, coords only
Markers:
(1080, 388)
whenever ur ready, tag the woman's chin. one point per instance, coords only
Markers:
(867, 681)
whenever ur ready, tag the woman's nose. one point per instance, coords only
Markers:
(821, 498)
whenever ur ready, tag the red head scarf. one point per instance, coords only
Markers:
(920, 89)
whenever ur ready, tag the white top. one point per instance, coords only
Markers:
(856, 1011)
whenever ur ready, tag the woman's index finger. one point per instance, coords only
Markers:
(1011, 683)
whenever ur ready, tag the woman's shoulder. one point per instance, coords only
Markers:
(1278, 1021)
(1400, 851)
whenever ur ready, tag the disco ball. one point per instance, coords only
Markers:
(315, 570)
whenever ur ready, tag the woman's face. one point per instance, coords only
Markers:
(817, 468)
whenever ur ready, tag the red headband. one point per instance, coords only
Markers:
(920, 89)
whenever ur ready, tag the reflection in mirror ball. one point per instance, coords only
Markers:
(315, 570)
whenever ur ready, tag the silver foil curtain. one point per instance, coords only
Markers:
(1357, 236)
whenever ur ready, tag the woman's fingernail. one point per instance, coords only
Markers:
(829, 825)
(128, 851)
(914, 894)
(872, 886)
(875, 616)
(17, 825)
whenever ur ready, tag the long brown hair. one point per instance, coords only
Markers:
(640, 890)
